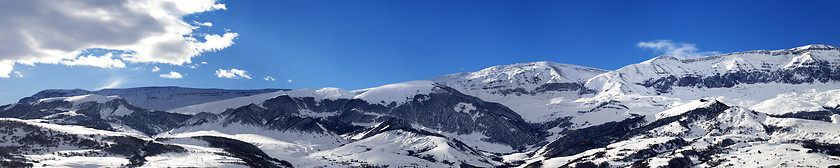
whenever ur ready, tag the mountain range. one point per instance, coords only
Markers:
(763, 108)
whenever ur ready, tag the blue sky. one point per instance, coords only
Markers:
(360, 44)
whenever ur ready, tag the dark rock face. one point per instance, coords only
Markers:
(137, 149)
(153, 122)
(49, 93)
(559, 87)
(825, 148)
(822, 115)
(276, 119)
(89, 115)
(565, 87)
(580, 140)
(590, 138)
(35, 140)
(699, 114)
(154, 98)
(32, 139)
(399, 127)
(248, 153)
(26, 138)
(436, 110)
(612, 104)
(391, 124)
(33, 111)
(201, 118)
(820, 71)
(706, 115)
(657, 149)
(638, 158)
(444, 109)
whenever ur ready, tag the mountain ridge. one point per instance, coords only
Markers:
(153, 97)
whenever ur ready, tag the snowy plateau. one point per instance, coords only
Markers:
(764, 108)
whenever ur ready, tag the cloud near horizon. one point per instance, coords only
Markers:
(138, 31)
(172, 75)
(113, 83)
(675, 49)
(232, 73)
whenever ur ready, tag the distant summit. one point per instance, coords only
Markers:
(155, 97)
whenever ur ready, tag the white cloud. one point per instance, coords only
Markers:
(203, 63)
(58, 32)
(104, 61)
(5, 68)
(155, 69)
(289, 80)
(208, 24)
(269, 78)
(214, 42)
(670, 48)
(172, 75)
(232, 73)
(18, 74)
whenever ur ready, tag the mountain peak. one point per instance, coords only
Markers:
(791, 51)
(806, 64)
(816, 47)
(662, 58)
(517, 68)
(527, 72)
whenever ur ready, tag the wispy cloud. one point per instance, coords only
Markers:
(208, 24)
(112, 84)
(155, 69)
(172, 75)
(670, 48)
(18, 74)
(232, 73)
(269, 78)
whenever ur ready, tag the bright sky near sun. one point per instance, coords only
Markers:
(358, 44)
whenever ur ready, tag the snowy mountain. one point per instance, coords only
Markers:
(539, 91)
(806, 64)
(154, 98)
(764, 108)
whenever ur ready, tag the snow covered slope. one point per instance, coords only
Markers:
(222, 105)
(28, 143)
(395, 143)
(538, 91)
(398, 93)
(806, 64)
(95, 111)
(813, 100)
(521, 78)
(701, 134)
